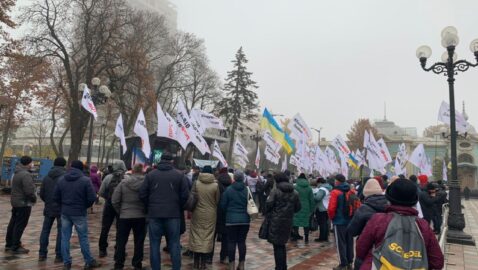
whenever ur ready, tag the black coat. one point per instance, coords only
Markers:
(282, 204)
(223, 181)
(428, 204)
(164, 192)
(47, 189)
(373, 204)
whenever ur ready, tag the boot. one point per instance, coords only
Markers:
(196, 262)
(240, 266)
(232, 266)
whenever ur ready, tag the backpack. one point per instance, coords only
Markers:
(403, 246)
(115, 180)
(351, 204)
(260, 185)
(326, 199)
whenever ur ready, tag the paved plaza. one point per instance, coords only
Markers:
(259, 252)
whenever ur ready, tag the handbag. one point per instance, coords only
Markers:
(192, 201)
(264, 229)
(313, 223)
(251, 205)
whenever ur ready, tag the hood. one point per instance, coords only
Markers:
(165, 166)
(56, 172)
(239, 186)
(93, 169)
(303, 183)
(344, 187)
(378, 202)
(133, 181)
(119, 166)
(285, 187)
(73, 174)
(327, 186)
(206, 178)
(402, 210)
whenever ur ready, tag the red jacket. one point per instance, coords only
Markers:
(374, 233)
(335, 209)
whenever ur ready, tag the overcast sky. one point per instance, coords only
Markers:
(337, 61)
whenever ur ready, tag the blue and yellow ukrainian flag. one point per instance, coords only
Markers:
(352, 160)
(268, 122)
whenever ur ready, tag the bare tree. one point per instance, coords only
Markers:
(39, 126)
(357, 131)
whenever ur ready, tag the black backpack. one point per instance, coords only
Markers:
(115, 180)
(350, 205)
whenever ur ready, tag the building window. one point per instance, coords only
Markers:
(465, 158)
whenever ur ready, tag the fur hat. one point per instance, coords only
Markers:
(372, 187)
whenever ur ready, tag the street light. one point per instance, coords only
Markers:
(450, 67)
(257, 138)
(318, 132)
(99, 95)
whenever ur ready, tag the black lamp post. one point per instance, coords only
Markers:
(257, 138)
(450, 67)
(99, 95)
(318, 133)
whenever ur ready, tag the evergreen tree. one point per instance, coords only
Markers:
(239, 105)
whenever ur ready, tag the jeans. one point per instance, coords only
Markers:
(323, 220)
(237, 235)
(138, 225)
(45, 235)
(169, 227)
(109, 216)
(16, 226)
(280, 257)
(81, 227)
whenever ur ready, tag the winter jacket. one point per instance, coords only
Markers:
(23, 188)
(428, 205)
(306, 197)
(164, 192)
(203, 221)
(74, 193)
(119, 168)
(234, 204)
(373, 204)
(223, 181)
(47, 189)
(95, 178)
(322, 197)
(374, 233)
(442, 195)
(281, 205)
(269, 186)
(336, 204)
(125, 199)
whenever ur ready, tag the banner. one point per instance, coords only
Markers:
(373, 152)
(87, 102)
(341, 145)
(119, 132)
(271, 155)
(384, 153)
(141, 130)
(444, 116)
(166, 126)
(240, 150)
(298, 128)
(192, 130)
(208, 120)
(270, 141)
(182, 135)
(216, 152)
(196, 120)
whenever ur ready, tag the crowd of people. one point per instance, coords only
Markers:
(397, 215)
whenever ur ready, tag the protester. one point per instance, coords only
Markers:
(260, 189)
(302, 218)
(428, 199)
(109, 214)
(22, 199)
(342, 198)
(75, 195)
(402, 195)
(322, 198)
(251, 182)
(281, 205)
(466, 192)
(270, 184)
(203, 221)
(234, 204)
(375, 202)
(223, 181)
(95, 180)
(52, 210)
(438, 207)
(164, 192)
(130, 208)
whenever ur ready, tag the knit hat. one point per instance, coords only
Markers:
(372, 187)
(77, 164)
(60, 162)
(402, 192)
(340, 178)
(207, 169)
(423, 180)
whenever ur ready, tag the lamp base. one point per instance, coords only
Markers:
(459, 237)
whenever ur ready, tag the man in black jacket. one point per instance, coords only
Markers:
(52, 210)
(164, 192)
(22, 198)
(428, 200)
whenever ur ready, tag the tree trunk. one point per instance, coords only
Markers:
(231, 143)
(60, 143)
(79, 122)
(5, 135)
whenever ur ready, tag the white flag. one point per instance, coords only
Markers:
(166, 126)
(141, 130)
(87, 102)
(182, 135)
(398, 167)
(119, 132)
(216, 152)
(192, 130)
(445, 172)
(384, 153)
(197, 121)
(271, 155)
(284, 163)
(340, 144)
(373, 152)
(402, 153)
(240, 150)
(444, 116)
(258, 158)
(299, 128)
(239, 160)
(419, 158)
(208, 120)
(270, 141)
